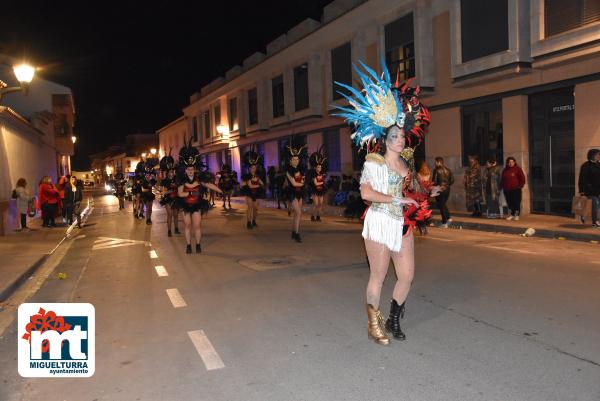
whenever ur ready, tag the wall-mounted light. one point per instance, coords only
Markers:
(143, 154)
(223, 131)
(74, 139)
(153, 151)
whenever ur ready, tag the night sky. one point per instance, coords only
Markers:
(132, 68)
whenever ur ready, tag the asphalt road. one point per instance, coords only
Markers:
(257, 316)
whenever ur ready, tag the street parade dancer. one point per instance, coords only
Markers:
(168, 190)
(194, 183)
(147, 187)
(295, 187)
(227, 181)
(253, 187)
(317, 180)
(136, 191)
(389, 122)
(120, 183)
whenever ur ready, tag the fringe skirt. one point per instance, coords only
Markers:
(381, 228)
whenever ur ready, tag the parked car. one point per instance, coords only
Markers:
(88, 182)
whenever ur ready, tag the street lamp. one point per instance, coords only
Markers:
(153, 151)
(143, 155)
(74, 139)
(24, 74)
(223, 131)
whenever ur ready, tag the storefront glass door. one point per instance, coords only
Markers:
(552, 151)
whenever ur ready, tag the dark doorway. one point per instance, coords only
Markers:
(552, 151)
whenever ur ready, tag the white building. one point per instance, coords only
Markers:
(502, 78)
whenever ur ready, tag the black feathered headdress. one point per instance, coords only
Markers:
(190, 157)
(167, 162)
(318, 158)
(252, 157)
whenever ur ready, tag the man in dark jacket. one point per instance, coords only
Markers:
(589, 182)
(443, 178)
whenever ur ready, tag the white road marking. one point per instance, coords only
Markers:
(161, 271)
(153, 254)
(80, 236)
(207, 352)
(176, 298)
(500, 248)
(439, 239)
(108, 243)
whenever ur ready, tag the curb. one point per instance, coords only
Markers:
(456, 224)
(541, 232)
(7, 292)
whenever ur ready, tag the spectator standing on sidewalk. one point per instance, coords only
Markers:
(589, 182)
(512, 183)
(24, 198)
(491, 182)
(473, 186)
(73, 198)
(443, 178)
(49, 201)
(61, 185)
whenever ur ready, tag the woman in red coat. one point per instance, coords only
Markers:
(49, 201)
(512, 183)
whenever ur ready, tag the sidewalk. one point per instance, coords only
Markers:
(22, 252)
(544, 225)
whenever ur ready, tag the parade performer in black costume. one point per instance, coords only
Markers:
(390, 122)
(317, 182)
(147, 187)
(295, 187)
(194, 182)
(253, 186)
(120, 183)
(136, 190)
(168, 189)
(227, 182)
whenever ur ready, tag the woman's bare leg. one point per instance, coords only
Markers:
(187, 219)
(404, 264)
(249, 209)
(169, 216)
(196, 223)
(297, 206)
(379, 261)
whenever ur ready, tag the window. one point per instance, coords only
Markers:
(233, 115)
(278, 101)
(61, 124)
(206, 124)
(252, 107)
(484, 28)
(195, 129)
(301, 87)
(562, 16)
(341, 68)
(400, 48)
(331, 140)
(482, 132)
(217, 112)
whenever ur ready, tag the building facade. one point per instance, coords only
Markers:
(502, 78)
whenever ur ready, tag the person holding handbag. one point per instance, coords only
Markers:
(589, 183)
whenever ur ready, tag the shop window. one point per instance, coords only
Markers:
(331, 139)
(341, 68)
(562, 16)
(484, 28)
(400, 48)
(482, 132)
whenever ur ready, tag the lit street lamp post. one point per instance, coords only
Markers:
(24, 74)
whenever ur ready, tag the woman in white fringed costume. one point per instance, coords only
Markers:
(389, 121)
